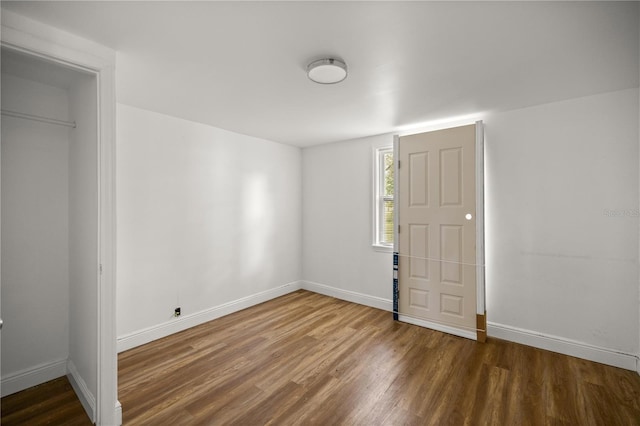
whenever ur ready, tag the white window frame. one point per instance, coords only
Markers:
(379, 198)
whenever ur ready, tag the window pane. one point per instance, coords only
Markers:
(387, 230)
(384, 189)
(388, 173)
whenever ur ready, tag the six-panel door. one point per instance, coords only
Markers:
(437, 272)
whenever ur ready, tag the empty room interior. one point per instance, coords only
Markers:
(301, 212)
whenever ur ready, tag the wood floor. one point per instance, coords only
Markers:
(51, 403)
(307, 359)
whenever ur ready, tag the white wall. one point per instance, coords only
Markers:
(562, 220)
(206, 217)
(556, 264)
(337, 221)
(35, 274)
(83, 239)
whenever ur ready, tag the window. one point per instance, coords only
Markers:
(383, 197)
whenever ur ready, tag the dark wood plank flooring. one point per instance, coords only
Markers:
(51, 403)
(308, 359)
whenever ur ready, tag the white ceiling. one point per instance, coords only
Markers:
(241, 65)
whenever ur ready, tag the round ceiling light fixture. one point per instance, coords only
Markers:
(327, 71)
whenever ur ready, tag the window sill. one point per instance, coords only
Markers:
(381, 248)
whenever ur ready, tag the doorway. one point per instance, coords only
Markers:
(49, 221)
(440, 230)
(46, 57)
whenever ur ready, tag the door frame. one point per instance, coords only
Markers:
(481, 310)
(36, 39)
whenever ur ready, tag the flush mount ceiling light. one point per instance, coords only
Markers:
(327, 71)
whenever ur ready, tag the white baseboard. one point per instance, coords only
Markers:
(118, 415)
(439, 327)
(30, 377)
(349, 296)
(85, 396)
(184, 322)
(563, 346)
(526, 337)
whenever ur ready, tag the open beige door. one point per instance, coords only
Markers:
(436, 207)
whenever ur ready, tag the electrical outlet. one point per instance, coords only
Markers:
(176, 313)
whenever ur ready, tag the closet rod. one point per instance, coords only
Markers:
(38, 118)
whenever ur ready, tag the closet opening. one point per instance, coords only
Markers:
(49, 219)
